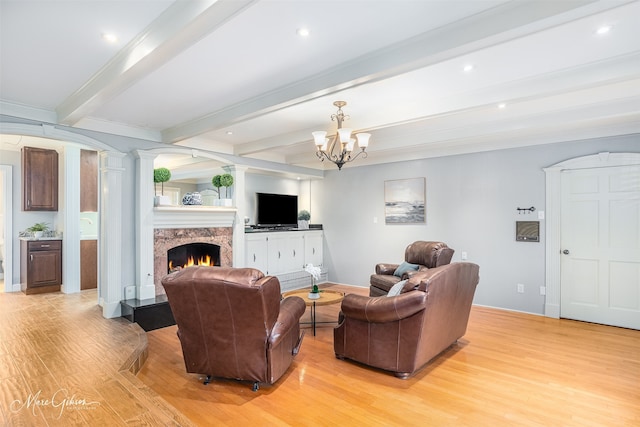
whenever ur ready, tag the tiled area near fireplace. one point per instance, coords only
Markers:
(168, 238)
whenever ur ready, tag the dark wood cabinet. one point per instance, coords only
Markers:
(40, 266)
(88, 264)
(88, 181)
(39, 179)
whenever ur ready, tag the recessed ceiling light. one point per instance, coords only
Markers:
(303, 32)
(229, 132)
(603, 30)
(502, 106)
(467, 68)
(109, 37)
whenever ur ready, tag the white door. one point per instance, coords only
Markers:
(600, 244)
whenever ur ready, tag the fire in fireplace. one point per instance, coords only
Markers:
(190, 254)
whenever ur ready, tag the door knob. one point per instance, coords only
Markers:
(566, 252)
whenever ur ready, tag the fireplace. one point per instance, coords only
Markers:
(168, 239)
(190, 254)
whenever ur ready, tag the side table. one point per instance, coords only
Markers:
(327, 297)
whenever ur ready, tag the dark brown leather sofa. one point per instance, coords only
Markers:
(423, 254)
(232, 323)
(402, 333)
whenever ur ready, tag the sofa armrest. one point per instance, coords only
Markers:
(387, 269)
(291, 310)
(383, 309)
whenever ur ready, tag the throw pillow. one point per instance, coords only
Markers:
(404, 267)
(396, 289)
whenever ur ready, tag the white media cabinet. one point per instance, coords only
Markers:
(284, 254)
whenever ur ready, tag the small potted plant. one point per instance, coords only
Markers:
(315, 276)
(226, 181)
(161, 175)
(303, 219)
(38, 229)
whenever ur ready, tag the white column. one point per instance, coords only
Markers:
(239, 186)
(71, 220)
(145, 287)
(110, 284)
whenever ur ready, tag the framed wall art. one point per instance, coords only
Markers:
(405, 201)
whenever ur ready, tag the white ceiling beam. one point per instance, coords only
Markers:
(181, 25)
(496, 25)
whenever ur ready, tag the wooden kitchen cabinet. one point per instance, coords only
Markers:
(88, 181)
(88, 264)
(39, 179)
(40, 266)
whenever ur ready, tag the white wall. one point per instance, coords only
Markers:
(471, 205)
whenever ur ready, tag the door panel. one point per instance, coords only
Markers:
(600, 238)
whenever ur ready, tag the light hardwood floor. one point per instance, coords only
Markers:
(63, 364)
(510, 369)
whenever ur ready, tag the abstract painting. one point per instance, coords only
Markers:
(404, 201)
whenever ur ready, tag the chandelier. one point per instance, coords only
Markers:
(325, 147)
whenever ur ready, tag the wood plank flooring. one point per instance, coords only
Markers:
(62, 364)
(510, 369)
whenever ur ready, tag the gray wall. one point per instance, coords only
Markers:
(471, 205)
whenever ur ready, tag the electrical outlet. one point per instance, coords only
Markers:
(375, 219)
(540, 214)
(520, 288)
(463, 256)
(543, 290)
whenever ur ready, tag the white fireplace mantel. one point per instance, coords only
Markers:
(193, 217)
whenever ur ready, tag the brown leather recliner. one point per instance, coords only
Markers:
(402, 333)
(424, 255)
(232, 323)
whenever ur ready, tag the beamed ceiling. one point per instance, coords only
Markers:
(234, 77)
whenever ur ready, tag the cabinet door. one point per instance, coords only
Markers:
(88, 264)
(277, 252)
(45, 268)
(256, 253)
(313, 248)
(286, 252)
(295, 253)
(39, 179)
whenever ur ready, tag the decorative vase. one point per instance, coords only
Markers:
(38, 234)
(313, 295)
(303, 224)
(194, 198)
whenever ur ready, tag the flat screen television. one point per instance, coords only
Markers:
(276, 210)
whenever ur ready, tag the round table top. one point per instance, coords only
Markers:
(326, 296)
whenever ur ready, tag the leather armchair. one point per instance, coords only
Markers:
(401, 334)
(232, 323)
(424, 254)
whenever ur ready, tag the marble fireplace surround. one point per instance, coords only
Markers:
(181, 225)
(168, 238)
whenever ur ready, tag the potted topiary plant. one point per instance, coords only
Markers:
(38, 229)
(303, 219)
(161, 175)
(226, 181)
